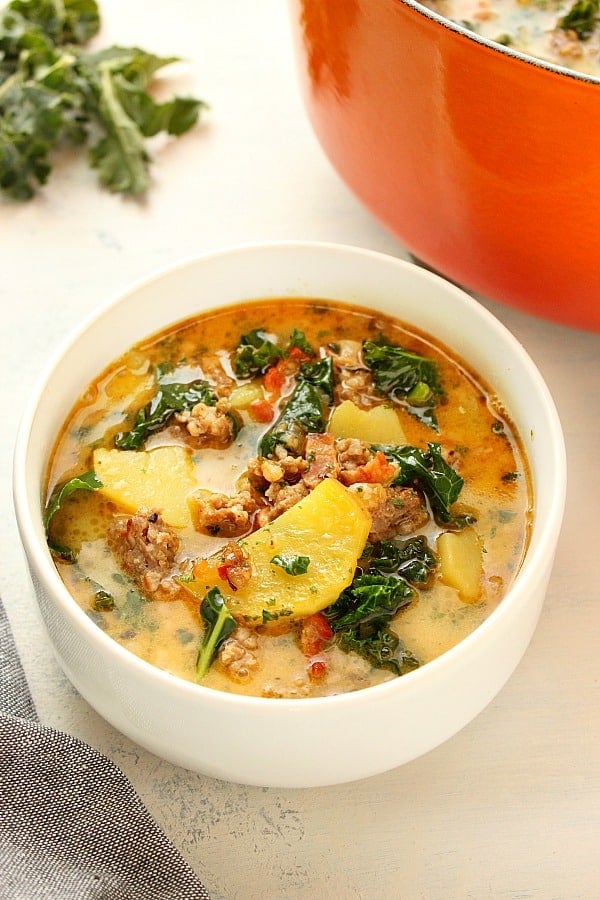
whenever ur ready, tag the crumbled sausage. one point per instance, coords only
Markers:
(238, 654)
(222, 515)
(281, 496)
(209, 426)
(237, 566)
(146, 548)
(393, 510)
(321, 458)
(212, 368)
(353, 380)
(263, 471)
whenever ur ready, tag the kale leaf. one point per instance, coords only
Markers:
(54, 92)
(412, 559)
(88, 481)
(304, 412)
(439, 481)
(581, 18)
(255, 353)
(405, 377)
(219, 625)
(293, 565)
(171, 397)
(360, 620)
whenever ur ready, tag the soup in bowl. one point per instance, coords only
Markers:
(298, 494)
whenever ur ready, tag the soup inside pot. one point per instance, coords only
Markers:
(288, 498)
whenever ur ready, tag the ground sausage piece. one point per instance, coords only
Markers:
(145, 548)
(353, 380)
(321, 458)
(209, 426)
(393, 510)
(263, 471)
(221, 515)
(212, 368)
(236, 566)
(281, 497)
(237, 654)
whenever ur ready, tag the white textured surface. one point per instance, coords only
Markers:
(510, 807)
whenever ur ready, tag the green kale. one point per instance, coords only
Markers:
(298, 339)
(304, 412)
(171, 397)
(55, 92)
(320, 373)
(581, 18)
(360, 620)
(411, 559)
(405, 377)
(255, 353)
(428, 468)
(89, 481)
(219, 624)
(293, 565)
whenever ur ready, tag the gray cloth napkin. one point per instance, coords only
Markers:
(71, 824)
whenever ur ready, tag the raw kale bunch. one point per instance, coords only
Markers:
(54, 92)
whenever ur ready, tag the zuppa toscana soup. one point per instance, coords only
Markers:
(288, 498)
(562, 32)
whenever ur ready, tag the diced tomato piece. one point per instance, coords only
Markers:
(261, 411)
(299, 354)
(317, 669)
(377, 470)
(274, 378)
(315, 634)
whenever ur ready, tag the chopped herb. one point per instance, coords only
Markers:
(219, 625)
(293, 565)
(103, 601)
(509, 477)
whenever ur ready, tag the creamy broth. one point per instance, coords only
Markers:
(156, 612)
(551, 30)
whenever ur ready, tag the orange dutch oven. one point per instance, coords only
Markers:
(483, 162)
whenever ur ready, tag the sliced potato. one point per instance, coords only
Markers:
(377, 425)
(461, 562)
(158, 479)
(329, 526)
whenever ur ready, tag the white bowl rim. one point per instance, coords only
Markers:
(544, 534)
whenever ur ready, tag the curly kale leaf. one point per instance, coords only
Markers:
(255, 353)
(171, 397)
(412, 559)
(304, 412)
(405, 377)
(581, 18)
(320, 373)
(428, 468)
(54, 92)
(360, 620)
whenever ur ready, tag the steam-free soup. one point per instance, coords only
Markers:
(288, 498)
(562, 32)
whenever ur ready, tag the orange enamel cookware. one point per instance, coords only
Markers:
(483, 162)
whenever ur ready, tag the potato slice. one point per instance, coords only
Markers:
(158, 479)
(377, 425)
(461, 562)
(329, 526)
